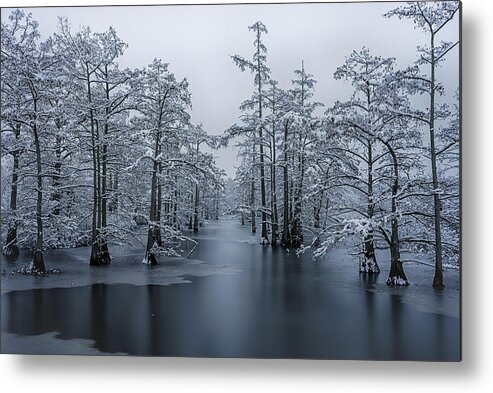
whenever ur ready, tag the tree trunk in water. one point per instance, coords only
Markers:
(153, 231)
(98, 172)
(96, 257)
(369, 260)
(275, 223)
(105, 253)
(296, 229)
(438, 277)
(296, 232)
(396, 275)
(159, 206)
(274, 212)
(286, 238)
(38, 264)
(150, 257)
(11, 248)
(264, 235)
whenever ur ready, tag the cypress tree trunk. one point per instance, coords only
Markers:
(95, 258)
(286, 237)
(273, 207)
(316, 219)
(273, 187)
(252, 205)
(105, 253)
(296, 229)
(396, 275)
(38, 264)
(111, 190)
(438, 278)
(264, 236)
(99, 193)
(316, 213)
(369, 260)
(57, 167)
(153, 232)
(159, 203)
(296, 232)
(115, 190)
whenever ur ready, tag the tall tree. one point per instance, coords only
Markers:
(112, 104)
(162, 104)
(431, 18)
(305, 129)
(19, 38)
(32, 73)
(361, 118)
(258, 66)
(274, 98)
(89, 58)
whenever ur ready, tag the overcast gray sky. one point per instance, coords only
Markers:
(198, 41)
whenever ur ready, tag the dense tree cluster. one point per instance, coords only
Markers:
(91, 151)
(378, 167)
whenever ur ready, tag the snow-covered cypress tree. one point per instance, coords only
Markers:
(258, 66)
(431, 17)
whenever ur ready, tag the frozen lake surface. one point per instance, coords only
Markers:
(235, 298)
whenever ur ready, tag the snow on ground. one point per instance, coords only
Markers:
(125, 267)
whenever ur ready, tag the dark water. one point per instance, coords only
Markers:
(278, 306)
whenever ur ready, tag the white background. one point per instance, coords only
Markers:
(124, 374)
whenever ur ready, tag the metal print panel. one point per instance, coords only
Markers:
(264, 181)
